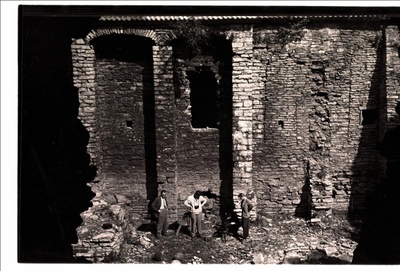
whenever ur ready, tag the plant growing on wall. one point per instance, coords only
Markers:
(195, 37)
(377, 40)
(284, 35)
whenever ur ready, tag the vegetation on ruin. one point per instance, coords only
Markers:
(193, 35)
(283, 35)
(194, 38)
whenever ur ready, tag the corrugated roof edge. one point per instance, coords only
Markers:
(235, 17)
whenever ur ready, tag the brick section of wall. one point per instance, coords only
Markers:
(242, 64)
(165, 122)
(366, 63)
(197, 149)
(119, 101)
(280, 159)
(297, 135)
(392, 43)
(315, 92)
(298, 138)
(84, 79)
(148, 33)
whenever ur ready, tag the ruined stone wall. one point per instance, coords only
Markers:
(314, 141)
(242, 111)
(306, 118)
(120, 121)
(84, 80)
(198, 163)
(392, 36)
(165, 124)
(297, 119)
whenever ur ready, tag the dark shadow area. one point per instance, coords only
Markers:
(315, 257)
(53, 162)
(148, 227)
(365, 170)
(152, 227)
(211, 9)
(326, 260)
(150, 133)
(131, 48)
(223, 53)
(379, 239)
(185, 229)
(228, 226)
(303, 209)
(126, 48)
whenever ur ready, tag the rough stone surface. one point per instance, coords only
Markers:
(301, 133)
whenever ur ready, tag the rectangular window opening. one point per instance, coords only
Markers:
(203, 98)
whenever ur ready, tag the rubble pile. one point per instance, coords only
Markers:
(112, 233)
(105, 228)
(288, 240)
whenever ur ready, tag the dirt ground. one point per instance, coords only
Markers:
(282, 239)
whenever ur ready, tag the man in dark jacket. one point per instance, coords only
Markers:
(160, 206)
(244, 204)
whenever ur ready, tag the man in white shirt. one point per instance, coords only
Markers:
(195, 202)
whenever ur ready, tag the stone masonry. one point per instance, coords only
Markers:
(303, 117)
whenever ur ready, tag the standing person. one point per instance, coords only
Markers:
(244, 205)
(195, 202)
(160, 206)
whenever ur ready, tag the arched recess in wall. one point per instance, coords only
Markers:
(125, 111)
(206, 72)
(157, 38)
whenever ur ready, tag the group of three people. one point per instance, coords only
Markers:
(195, 202)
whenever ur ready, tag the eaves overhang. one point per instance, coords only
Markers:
(128, 18)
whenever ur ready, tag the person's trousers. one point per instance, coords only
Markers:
(162, 223)
(246, 222)
(196, 222)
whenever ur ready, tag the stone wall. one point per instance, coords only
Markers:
(197, 148)
(315, 92)
(84, 79)
(106, 226)
(121, 121)
(305, 119)
(392, 76)
(165, 124)
(243, 87)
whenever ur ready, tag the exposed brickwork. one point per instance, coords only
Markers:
(297, 132)
(160, 37)
(194, 170)
(242, 46)
(120, 100)
(84, 79)
(165, 122)
(392, 75)
(315, 92)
